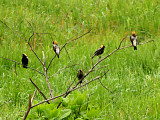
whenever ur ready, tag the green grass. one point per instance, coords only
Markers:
(134, 75)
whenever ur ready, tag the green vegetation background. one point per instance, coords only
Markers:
(134, 75)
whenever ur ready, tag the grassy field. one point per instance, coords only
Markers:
(134, 76)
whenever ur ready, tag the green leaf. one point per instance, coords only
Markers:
(30, 116)
(79, 119)
(93, 112)
(80, 98)
(65, 102)
(65, 113)
(50, 114)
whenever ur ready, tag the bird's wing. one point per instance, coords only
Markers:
(54, 47)
(57, 49)
(97, 51)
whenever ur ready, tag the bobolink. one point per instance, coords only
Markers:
(99, 51)
(24, 60)
(133, 39)
(56, 48)
(80, 75)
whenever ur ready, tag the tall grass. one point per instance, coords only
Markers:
(134, 75)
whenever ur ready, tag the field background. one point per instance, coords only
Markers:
(134, 75)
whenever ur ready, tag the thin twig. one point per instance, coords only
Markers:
(33, 50)
(75, 87)
(49, 87)
(122, 41)
(67, 54)
(29, 107)
(96, 65)
(48, 100)
(30, 104)
(65, 94)
(6, 102)
(21, 64)
(39, 90)
(104, 86)
(15, 68)
(23, 39)
(117, 50)
(11, 60)
(33, 96)
(66, 44)
(43, 58)
(98, 77)
(38, 33)
(71, 84)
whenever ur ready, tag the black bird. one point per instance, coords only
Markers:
(133, 39)
(24, 60)
(80, 75)
(99, 51)
(56, 48)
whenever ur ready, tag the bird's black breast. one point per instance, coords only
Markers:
(25, 60)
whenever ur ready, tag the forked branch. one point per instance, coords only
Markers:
(66, 93)
(67, 43)
(39, 90)
(92, 69)
(21, 64)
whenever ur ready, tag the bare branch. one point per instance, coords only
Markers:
(50, 62)
(30, 104)
(33, 96)
(29, 107)
(49, 87)
(11, 60)
(67, 54)
(39, 90)
(98, 77)
(23, 39)
(43, 58)
(30, 26)
(66, 44)
(104, 86)
(146, 42)
(66, 93)
(75, 38)
(122, 41)
(61, 70)
(13, 31)
(15, 69)
(50, 90)
(75, 87)
(32, 48)
(34, 33)
(117, 50)
(48, 100)
(21, 64)
(71, 84)
(6, 103)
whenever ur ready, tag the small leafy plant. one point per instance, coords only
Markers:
(75, 106)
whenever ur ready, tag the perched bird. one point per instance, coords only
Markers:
(24, 60)
(133, 39)
(99, 51)
(80, 75)
(56, 48)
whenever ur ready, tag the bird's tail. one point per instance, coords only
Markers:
(24, 66)
(135, 47)
(58, 56)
